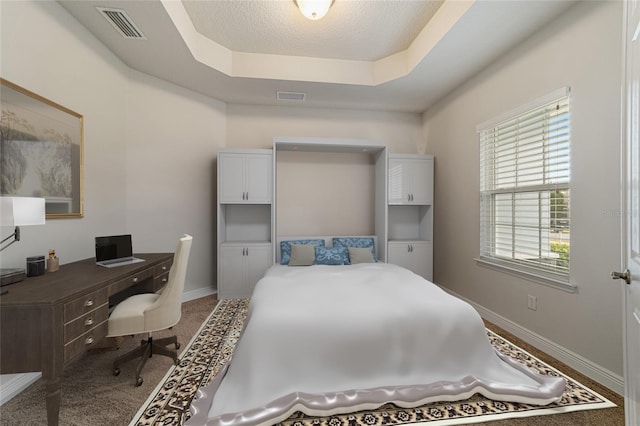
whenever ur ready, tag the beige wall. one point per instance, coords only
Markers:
(324, 194)
(255, 126)
(582, 49)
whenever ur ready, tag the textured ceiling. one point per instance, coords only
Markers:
(392, 55)
(346, 32)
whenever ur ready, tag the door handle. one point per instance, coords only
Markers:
(626, 276)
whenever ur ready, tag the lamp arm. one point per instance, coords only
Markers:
(15, 235)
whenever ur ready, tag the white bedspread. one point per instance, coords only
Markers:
(335, 339)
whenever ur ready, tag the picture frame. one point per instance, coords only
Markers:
(41, 151)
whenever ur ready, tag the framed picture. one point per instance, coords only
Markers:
(41, 151)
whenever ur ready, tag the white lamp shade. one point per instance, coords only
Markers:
(21, 211)
(314, 9)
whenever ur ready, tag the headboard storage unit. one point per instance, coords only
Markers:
(245, 217)
(410, 199)
(376, 150)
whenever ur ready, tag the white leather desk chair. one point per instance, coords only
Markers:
(146, 313)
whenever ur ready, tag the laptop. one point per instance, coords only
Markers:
(115, 250)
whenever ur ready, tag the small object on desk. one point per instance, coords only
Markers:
(11, 276)
(52, 262)
(35, 266)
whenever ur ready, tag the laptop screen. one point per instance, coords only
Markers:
(113, 247)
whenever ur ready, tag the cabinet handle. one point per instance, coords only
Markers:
(247, 251)
(134, 279)
(88, 303)
(164, 268)
(408, 197)
(247, 195)
(89, 341)
(88, 321)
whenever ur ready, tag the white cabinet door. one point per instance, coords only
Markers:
(231, 277)
(245, 178)
(422, 254)
(241, 267)
(417, 256)
(398, 181)
(258, 260)
(421, 181)
(231, 178)
(259, 178)
(399, 253)
(410, 180)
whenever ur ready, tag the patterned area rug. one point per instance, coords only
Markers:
(213, 345)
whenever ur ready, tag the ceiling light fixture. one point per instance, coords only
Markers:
(314, 9)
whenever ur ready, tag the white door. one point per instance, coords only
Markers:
(399, 253)
(422, 252)
(258, 261)
(398, 181)
(631, 228)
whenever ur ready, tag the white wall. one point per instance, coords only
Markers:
(581, 49)
(149, 146)
(45, 50)
(172, 137)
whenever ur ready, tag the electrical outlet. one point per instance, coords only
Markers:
(532, 302)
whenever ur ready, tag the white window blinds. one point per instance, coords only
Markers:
(524, 188)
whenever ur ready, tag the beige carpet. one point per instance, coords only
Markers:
(91, 395)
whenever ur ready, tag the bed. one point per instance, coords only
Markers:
(330, 339)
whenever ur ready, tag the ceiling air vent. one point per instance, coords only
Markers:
(121, 22)
(291, 96)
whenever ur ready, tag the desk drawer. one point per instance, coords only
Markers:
(82, 305)
(163, 268)
(85, 341)
(86, 322)
(124, 284)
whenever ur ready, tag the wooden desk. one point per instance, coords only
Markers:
(50, 320)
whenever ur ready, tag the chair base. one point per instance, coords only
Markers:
(147, 349)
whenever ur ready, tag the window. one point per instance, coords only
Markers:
(524, 189)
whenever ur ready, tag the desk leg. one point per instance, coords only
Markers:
(52, 386)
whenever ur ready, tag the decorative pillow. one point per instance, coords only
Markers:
(360, 255)
(358, 242)
(285, 248)
(302, 255)
(331, 255)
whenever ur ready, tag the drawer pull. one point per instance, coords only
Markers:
(89, 340)
(164, 268)
(135, 279)
(164, 280)
(88, 321)
(88, 303)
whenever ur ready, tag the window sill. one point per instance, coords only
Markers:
(531, 276)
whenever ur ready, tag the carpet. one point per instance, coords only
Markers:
(213, 345)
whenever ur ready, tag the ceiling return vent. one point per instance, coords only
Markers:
(122, 22)
(291, 96)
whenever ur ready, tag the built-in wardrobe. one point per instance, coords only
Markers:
(247, 226)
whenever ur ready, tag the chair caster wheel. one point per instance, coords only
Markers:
(116, 371)
(177, 345)
(139, 381)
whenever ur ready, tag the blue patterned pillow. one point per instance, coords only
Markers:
(358, 242)
(285, 248)
(331, 255)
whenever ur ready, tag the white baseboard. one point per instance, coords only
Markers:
(590, 369)
(198, 293)
(12, 384)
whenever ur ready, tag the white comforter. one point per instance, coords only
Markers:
(332, 339)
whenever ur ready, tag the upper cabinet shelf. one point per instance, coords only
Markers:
(410, 179)
(246, 177)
